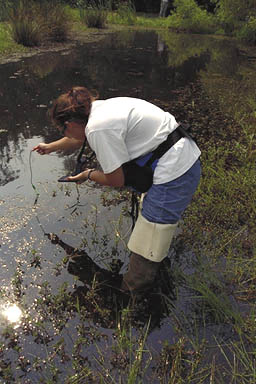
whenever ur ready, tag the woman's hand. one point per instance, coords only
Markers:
(113, 179)
(63, 144)
(80, 177)
(42, 148)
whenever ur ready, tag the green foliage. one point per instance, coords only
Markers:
(248, 31)
(190, 17)
(127, 12)
(232, 14)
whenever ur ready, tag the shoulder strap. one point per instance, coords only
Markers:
(81, 152)
(172, 138)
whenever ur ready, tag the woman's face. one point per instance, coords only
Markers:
(74, 130)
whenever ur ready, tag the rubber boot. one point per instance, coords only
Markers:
(141, 274)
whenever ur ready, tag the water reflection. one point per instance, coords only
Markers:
(11, 312)
(102, 287)
(139, 64)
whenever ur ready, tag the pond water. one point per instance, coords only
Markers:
(33, 318)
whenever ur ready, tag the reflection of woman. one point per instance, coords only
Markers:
(110, 299)
(119, 130)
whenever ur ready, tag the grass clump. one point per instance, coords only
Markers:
(94, 14)
(58, 21)
(33, 23)
(26, 23)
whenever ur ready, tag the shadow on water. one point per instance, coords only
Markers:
(57, 323)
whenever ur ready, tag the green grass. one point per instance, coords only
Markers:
(7, 45)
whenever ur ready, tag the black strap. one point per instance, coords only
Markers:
(81, 152)
(82, 163)
(134, 208)
(172, 138)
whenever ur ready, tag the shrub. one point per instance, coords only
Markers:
(248, 31)
(188, 16)
(231, 14)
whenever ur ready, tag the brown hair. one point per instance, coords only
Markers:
(73, 105)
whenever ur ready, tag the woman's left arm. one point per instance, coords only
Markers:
(113, 179)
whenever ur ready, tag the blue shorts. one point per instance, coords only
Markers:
(165, 203)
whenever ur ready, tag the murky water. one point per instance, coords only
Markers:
(137, 64)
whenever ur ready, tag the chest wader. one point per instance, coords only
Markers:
(150, 242)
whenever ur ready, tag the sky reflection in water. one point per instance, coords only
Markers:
(11, 312)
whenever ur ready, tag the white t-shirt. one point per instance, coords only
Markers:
(123, 128)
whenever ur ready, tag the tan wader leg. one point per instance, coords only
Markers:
(149, 243)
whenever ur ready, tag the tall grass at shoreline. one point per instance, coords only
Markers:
(32, 23)
(94, 14)
(31, 27)
(26, 23)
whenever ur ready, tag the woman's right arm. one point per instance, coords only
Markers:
(64, 144)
